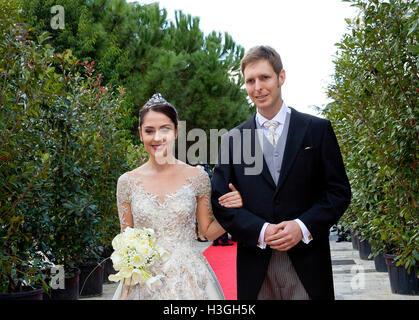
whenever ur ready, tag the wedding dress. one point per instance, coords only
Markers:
(186, 273)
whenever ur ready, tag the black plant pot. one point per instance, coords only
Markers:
(27, 294)
(364, 250)
(70, 291)
(91, 280)
(108, 270)
(401, 281)
(380, 263)
(355, 241)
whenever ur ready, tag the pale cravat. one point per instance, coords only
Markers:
(272, 136)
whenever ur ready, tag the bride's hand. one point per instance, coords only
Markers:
(232, 199)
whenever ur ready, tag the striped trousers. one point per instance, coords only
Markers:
(281, 281)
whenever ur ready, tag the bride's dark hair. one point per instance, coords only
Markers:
(158, 104)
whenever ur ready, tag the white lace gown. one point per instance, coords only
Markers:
(187, 274)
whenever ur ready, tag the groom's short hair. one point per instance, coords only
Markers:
(262, 53)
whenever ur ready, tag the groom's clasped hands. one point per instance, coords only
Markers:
(283, 236)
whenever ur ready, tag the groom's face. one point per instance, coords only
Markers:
(263, 85)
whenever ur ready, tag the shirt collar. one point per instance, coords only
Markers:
(280, 116)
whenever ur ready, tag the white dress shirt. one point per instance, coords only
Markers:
(280, 117)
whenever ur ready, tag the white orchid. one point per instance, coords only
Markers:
(154, 282)
(163, 254)
(117, 260)
(115, 277)
(139, 276)
(117, 242)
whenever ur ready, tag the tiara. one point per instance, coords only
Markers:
(156, 99)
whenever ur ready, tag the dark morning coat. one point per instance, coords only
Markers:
(313, 187)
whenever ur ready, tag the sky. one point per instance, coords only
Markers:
(304, 33)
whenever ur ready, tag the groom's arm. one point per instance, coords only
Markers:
(336, 192)
(240, 223)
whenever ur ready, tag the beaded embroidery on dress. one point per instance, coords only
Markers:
(187, 274)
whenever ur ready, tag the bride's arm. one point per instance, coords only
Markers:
(208, 226)
(125, 216)
(128, 291)
(123, 200)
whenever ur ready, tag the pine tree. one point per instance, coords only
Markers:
(137, 47)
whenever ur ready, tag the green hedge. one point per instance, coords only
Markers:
(62, 151)
(375, 94)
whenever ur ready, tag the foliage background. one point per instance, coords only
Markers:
(69, 115)
(135, 46)
(70, 99)
(375, 94)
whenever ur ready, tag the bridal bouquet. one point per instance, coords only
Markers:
(136, 251)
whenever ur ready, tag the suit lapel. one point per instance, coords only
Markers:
(255, 147)
(296, 132)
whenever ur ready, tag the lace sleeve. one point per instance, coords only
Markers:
(202, 185)
(123, 198)
(207, 223)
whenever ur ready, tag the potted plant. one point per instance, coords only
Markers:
(66, 206)
(379, 138)
(380, 262)
(402, 280)
(364, 249)
(377, 245)
(401, 243)
(355, 240)
(377, 253)
(24, 164)
(60, 140)
(91, 276)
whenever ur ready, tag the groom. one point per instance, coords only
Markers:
(283, 227)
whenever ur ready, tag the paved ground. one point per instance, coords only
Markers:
(354, 279)
(357, 279)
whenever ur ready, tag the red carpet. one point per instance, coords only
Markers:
(223, 262)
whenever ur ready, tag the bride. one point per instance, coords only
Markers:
(166, 194)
